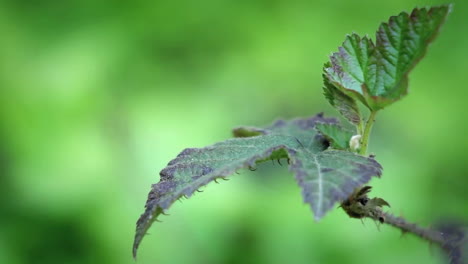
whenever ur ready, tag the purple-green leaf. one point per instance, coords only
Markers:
(345, 104)
(377, 74)
(326, 176)
(330, 176)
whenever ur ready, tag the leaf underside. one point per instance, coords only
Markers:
(326, 176)
(377, 74)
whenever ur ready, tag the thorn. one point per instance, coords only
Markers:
(377, 225)
(252, 168)
(237, 172)
(279, 162)
(289, 161)
(273, 161)
(403, 233)
(224, 178)
(362, 222)
(157, 220)
(200, 191)
(216, 180)
(164, 213)
(299, 142)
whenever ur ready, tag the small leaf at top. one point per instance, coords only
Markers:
(377, 74)
(338, 136)
(325, 176)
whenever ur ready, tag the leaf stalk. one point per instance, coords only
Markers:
(360, 127)
(367, 132)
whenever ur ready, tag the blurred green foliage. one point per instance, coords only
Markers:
(97, 96)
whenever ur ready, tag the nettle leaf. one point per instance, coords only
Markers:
(330, 176)
(345, 104)
(335, 134)
(377, 74)
(326, 176)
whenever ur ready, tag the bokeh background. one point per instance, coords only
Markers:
(97, 96)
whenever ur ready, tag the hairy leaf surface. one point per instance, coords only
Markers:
(326, 176)
(377, 74)
(330, 176)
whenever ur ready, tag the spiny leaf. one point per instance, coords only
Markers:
(345, 104)
(194, 168)
(300, 128)
(377, 74)
(326, 176)
(330, 176)
(338, 137)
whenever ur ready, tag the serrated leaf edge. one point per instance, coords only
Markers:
(153, 211)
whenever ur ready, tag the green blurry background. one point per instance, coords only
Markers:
(97, 96)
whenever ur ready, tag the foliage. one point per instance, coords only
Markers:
(325, 175)
(317, 149)
(377, 74)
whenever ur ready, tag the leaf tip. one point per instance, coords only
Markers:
(136, 244)
(134, 252)
(317, 218)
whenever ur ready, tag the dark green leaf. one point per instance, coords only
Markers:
(194, 168)
(336, 135)
(377, 74)
(345, 104)
(326, 176)
(299, 127)
(330, 176)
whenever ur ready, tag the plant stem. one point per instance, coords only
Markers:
(367, 131)
(359, 128)
(372, 208)
(430, 235)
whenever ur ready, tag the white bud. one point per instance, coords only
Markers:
(355, 142)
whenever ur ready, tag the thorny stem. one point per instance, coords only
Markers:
(430, 235)
(359, 205)
(367, 131)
